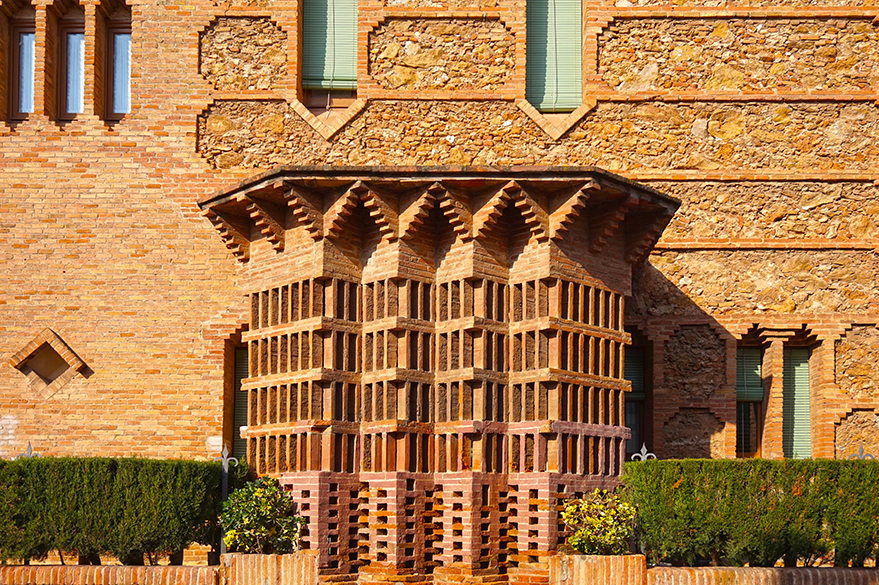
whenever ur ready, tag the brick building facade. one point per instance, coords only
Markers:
(753, 321)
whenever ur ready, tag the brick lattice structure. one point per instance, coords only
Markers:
(436, 356)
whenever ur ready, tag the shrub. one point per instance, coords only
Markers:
(260, 518)
(755, 511)
(92, 506)
(601, 523)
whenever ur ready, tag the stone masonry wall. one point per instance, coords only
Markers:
(763, 210)
(857, 362)
(243, 53)
(619, 137)
(447, 54)
(737, 54)
(695, 362)
(858, 430)
(759, 282)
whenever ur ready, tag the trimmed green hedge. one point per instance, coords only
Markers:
(755, 511)
(92, 506)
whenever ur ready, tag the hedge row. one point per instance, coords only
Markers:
(755, 511)
(93, 506)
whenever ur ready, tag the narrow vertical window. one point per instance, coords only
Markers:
(71, 86)
(749, 401)
(239, 445)
(23, 71)
(633, 371)
(329, 52)
(119, 72)
(797, 416)
(553, 67)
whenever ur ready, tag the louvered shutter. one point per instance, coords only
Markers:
(796, 428)
(239, 445)
(553, 67)
(329, 44)
(633, 371)
(749, 380)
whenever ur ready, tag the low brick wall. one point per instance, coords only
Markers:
(108, 575)
(597, 570)
(301, 569)
(632, 570)
(295, 569)
(761, 576)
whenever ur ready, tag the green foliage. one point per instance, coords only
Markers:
(260, 518)
(124, 507)
(601, 523)
(755, 511)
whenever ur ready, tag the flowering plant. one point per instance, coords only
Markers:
(260, 518)
(600, 523)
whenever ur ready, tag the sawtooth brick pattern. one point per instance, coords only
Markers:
(740, 55)
(444, 54)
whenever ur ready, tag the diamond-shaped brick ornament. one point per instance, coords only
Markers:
(48, 362)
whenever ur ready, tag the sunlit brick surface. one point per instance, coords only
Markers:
(436, 356)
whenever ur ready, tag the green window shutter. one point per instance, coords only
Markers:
(553, 67)
(749, 380)
(329, 44)
(633, 371)
(796, 427)
(239, 419)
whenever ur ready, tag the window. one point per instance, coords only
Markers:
(22, 70)
(633, 371)
(329, 52)
(118, 70)
(239, 445)
(749, 401)
(796, 422)
(71, 60)
(553, 68)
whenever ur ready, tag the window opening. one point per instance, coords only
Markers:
(553, 68)
(71, 60)
(633, 371)
(118, 78)
(23, 66)
(796, 427)
(329, 54)
(749, 401)
(239, 445)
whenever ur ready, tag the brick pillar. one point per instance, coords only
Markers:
(773, 373)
